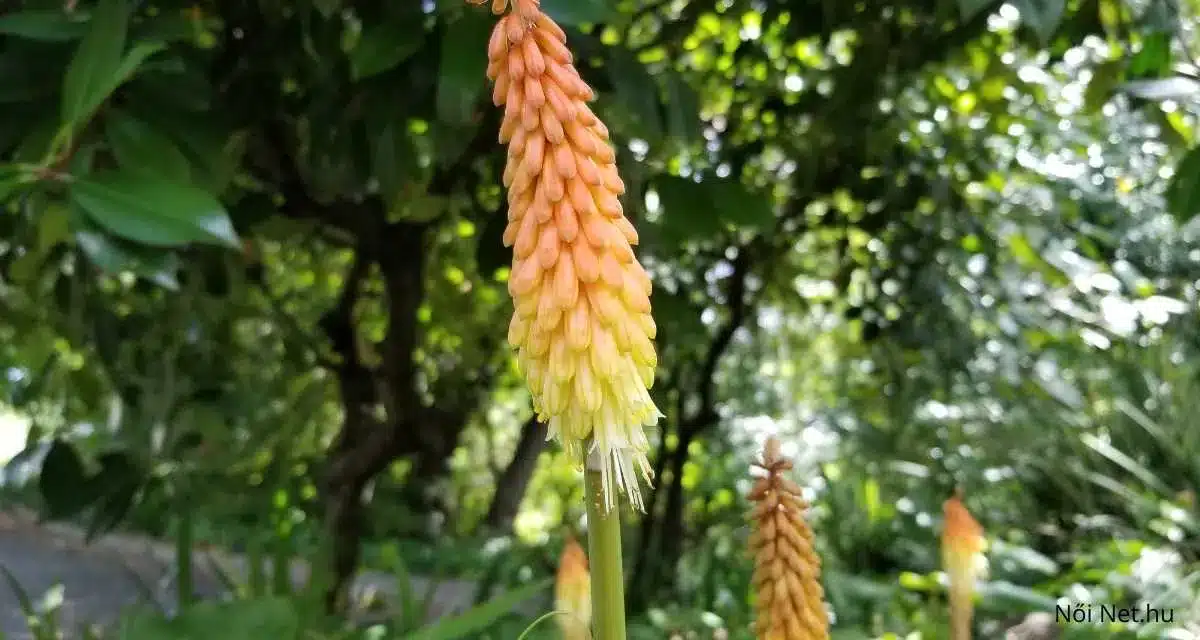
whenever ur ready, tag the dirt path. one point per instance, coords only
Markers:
(102, 579)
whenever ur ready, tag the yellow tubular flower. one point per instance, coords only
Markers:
(582, 327)
(787, 570)
(962, 544)
(573, 593)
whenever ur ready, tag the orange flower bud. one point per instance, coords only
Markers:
(962, 546)
(573, 593)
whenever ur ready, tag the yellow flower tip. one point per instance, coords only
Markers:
(789, 598)
(573, 592)
(582, 325)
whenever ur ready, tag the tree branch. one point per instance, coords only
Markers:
(738, 305)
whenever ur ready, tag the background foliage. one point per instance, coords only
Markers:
(252, 271)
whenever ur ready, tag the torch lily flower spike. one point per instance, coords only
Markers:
(582, 326)
(787, 570)
(962, 549)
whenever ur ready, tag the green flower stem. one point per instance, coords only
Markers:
(604, 551)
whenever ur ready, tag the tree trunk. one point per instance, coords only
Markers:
(671, 531)
(649, 527)
(511, 485)
(664, 543)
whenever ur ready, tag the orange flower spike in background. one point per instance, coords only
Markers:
(962, 548)
(573, 593)
(787, 570)
(582, 327)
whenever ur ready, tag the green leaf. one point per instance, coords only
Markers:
(1042, 16)
(132, 62)
(53, 227)
(11, 186)
(577, 12)
(154, 212)
(471, 622)
(115, 257)
(1183, 192)
(1154, 58)
(637, 93)
(91, 72)
(1100, 88)
(463, 67)
(215, 151)
(384, 46)
(63, 481)
(38, 137)
(393, 155)
(683, 112)
(117, 482)
(140, 149)
(696, 210)
(43, 26)
(423, 208)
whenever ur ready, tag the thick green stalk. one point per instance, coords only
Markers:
(604, 551)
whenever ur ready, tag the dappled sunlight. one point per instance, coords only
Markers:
(14, 430)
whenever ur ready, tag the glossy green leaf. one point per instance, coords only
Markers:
(462, 75)
(214, 150)
(44, 26)
(90, 75)
(139, 148)
(114, 256)
(473, 621)
(1183, 192)
(698, 210)
(152, 211)
(382, 47)
(131, 62)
